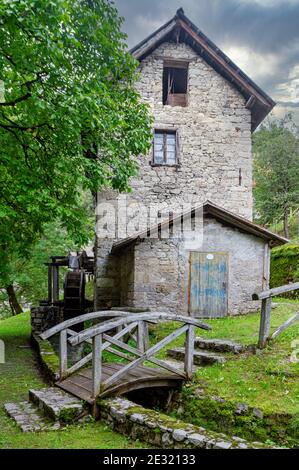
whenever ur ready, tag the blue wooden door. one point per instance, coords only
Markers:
(208, 284)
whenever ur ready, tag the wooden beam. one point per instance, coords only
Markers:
(146, 356)
(62, 354)
(159, 316)
(275, 291)
(222, 63)
(50, 284)
(251, 102)
(55, 283)
(138, 353)
(153, 41)
(88, 357)
(265, 322)
(96, 365)
(285, 325)
(189, 351)
(104, 314)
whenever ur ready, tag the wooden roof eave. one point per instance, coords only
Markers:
(221, 215)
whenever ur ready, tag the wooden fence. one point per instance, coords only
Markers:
(266, 298)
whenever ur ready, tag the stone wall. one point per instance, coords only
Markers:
(214, 137)
(44, 317)
(163, 431)
(161, 270)
(214, 146)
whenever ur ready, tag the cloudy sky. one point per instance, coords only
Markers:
(261, 36)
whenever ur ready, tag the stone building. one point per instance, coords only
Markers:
(205, 110)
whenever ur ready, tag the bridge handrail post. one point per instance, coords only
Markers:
(189, 351)
(142, 332)
(97, 342)
(63, 365)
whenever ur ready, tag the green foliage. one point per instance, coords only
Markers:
(70, 119)
(285, 267)
(29, 274)
(276, 170)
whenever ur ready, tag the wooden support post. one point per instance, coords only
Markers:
(50, 283)
(96, 365)
(146, 336)
(140, 336)
(265, 322)
(189, 351)
(62, 354)
(55, 284)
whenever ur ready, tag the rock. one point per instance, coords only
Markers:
(222, 445)
(166, 439)
(241, 408)
(179, 435)
(56, 404)
(198, 440)
(27, 417)
(258, 413)
(137, 418)
(199, 358)
(219, 345)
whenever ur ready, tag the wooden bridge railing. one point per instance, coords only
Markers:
(266, 298)
(101, 338)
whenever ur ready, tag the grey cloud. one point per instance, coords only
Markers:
(261, 26)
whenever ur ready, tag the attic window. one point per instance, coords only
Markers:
(175, 81)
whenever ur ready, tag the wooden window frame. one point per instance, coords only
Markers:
(165, 132)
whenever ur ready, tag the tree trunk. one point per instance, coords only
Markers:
(286, 222)
(13, 301)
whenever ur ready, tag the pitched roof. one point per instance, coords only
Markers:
(181, 29)
(221, 215)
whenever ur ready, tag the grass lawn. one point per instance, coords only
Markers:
(268, 380)
(17, 375)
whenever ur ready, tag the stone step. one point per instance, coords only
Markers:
(28, 417)
(57, 404)
(180, 365)
(200, 358)
(219, 345)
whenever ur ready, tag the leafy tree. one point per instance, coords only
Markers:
(276, 171)
(30, 275)
(70, 117)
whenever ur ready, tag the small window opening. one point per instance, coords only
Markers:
(165, 148)
(175, 80)
(240, 176)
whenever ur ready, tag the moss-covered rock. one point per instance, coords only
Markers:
(236, 419)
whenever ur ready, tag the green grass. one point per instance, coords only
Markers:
(249, 378)
(21, 372)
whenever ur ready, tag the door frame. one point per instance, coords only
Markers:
(227, 253)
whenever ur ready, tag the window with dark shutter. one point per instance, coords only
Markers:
(165, 148)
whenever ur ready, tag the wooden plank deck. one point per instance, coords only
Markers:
(80, 384)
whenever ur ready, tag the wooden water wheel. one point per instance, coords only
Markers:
(74, 294)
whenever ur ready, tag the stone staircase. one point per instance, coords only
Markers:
(48, 409)
(208, 351)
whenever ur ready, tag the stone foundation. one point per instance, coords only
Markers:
(45, 317)
(163, 431)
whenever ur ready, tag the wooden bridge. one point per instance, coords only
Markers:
(111, 333)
